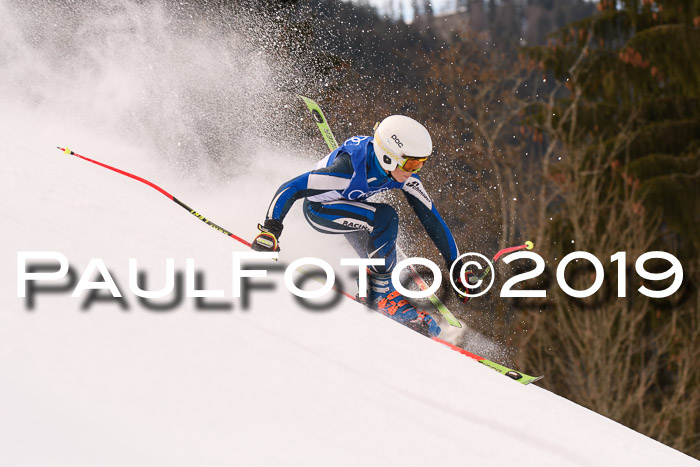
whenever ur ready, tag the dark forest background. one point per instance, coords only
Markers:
(573, 124)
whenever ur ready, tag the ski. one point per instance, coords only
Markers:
(320, 119)
(520, 377)
(437, 303)
(513, 374)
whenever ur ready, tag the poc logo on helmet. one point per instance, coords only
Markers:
(397, 141)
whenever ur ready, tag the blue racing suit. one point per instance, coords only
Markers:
(336, 193)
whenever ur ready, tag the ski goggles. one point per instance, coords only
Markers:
(412, 164)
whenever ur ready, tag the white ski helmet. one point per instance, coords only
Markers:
(399, 138)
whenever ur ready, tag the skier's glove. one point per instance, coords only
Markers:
(268, 238)
(470, 276)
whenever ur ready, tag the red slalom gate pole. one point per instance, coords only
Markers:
(156, 187)
(528, 245)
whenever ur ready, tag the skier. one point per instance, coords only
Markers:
(335, 196)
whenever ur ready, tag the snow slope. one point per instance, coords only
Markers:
(272, 385)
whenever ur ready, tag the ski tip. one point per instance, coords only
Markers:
(452, 321)
(522, 377)
(534, 379)
(529, 245)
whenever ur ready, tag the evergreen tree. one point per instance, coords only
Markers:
(639, 61)
(623, 112)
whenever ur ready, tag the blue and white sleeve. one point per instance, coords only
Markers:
(429, 216)
(336, 177)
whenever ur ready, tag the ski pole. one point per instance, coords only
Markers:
(153, 185)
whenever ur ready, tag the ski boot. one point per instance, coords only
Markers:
(383, 297)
